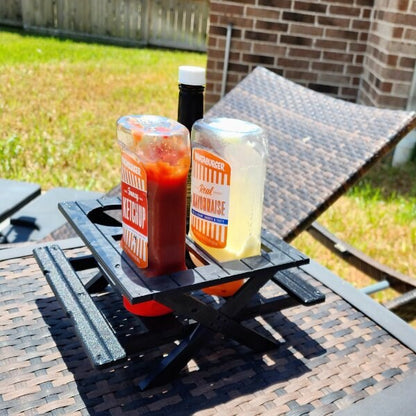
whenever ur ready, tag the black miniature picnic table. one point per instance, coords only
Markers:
(97, 223)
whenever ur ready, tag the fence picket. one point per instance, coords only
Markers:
(11, 12)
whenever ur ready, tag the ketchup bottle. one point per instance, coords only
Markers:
(155, 160)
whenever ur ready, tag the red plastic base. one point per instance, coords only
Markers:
(149, 308)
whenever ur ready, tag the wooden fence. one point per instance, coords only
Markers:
(169, 23)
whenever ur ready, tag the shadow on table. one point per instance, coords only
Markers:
(222, 371)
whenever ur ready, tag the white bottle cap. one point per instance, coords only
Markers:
(191, 75)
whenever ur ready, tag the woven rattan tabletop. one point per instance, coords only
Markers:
(333, 356)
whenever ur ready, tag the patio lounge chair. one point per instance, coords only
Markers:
(319, 147)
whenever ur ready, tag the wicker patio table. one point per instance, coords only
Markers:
(336, 355)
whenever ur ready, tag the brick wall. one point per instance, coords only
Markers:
(389, 64)
(353, 50)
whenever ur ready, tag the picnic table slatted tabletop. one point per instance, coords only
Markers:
(134, 284)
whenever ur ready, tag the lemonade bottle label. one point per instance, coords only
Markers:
(210, 191)
(134, 209)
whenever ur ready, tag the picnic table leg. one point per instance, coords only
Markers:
(97, 283)
(217, 321)
(170, 366)
(210, 321)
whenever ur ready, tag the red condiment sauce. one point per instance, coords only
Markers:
(166, 198)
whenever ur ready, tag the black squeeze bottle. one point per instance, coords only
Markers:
(190, 108)
(191, 95)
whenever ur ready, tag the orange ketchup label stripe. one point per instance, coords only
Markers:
(134, 209)
(210, 189)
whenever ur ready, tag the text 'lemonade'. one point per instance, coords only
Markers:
(155, 153)
(228, 174)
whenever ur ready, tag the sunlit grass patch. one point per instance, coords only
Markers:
(61, 100)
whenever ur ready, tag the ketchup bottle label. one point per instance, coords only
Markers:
(134, 210)
(210, 197)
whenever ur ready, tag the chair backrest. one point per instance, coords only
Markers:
(319, 146)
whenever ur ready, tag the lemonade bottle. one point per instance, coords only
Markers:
(228, 174)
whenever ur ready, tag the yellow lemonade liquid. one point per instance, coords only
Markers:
(247, 162)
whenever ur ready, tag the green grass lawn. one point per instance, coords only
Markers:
(59, 103)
